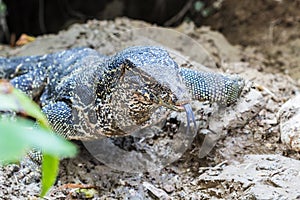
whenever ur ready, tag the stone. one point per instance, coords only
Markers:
(289, 119)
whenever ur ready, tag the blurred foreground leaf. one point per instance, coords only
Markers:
(18, 136)
(14, 100)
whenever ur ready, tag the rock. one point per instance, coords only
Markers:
(249, 105)
(289, 118)
(169, 188)
(158, 193)
(257, 177)
(223, 120)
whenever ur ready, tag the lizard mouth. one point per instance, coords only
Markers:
(180, 107)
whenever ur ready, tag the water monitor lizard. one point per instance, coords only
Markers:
(120, 90)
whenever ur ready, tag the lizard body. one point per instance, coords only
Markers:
(112, 92)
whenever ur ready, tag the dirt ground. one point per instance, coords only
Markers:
(249, 161)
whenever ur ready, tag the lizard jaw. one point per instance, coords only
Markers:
(179, 106)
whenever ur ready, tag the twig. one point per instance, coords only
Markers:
(42, 16)
(179, 15)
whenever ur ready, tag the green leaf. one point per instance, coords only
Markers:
(50, 166)
(11, 146)
(17, 137)
(30, 107)
(14, 100)
(20, 136)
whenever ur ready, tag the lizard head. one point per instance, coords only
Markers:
(149, 78)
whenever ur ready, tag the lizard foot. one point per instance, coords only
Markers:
(30, 165)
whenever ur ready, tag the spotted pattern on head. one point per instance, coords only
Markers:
(141, 88)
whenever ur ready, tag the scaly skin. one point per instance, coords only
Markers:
(111, 94)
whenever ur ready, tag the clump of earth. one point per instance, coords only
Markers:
(249, 160)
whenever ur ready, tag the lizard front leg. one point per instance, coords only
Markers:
(60, 118)
(59, 115)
